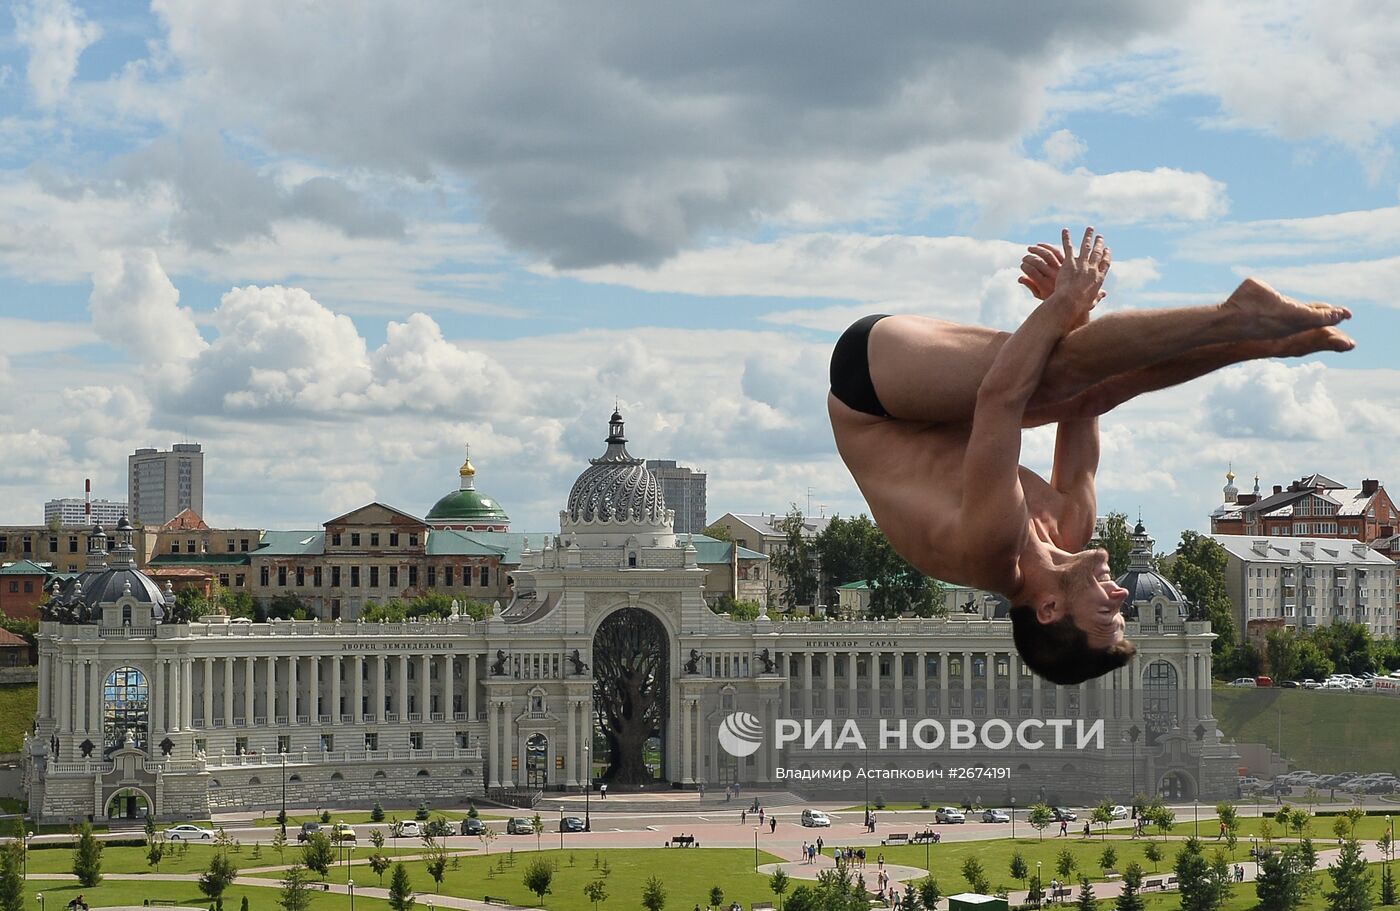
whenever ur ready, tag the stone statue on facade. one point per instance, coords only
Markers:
(498, 668)
(767, 660)
(580, 666)
(693, 665)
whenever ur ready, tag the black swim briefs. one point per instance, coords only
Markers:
(850, 368)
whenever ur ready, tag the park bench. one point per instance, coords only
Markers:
(494, 901)
(1060, 893)
(1152, 883)
(925, 835)
(896, 838)
(1111, 875)
(681, 841)
(761, 906)
(1171, 883)
(168, 902)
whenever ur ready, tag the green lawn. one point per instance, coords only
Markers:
(192, 859)
(18, 704)
(135, 892)
(688, 873)
(1322, 731)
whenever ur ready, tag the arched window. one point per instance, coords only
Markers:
(422, 773)
(255, 780)
(291, 778)
(379, 774)
(1159, 701)
(125, 707)
(336, 776)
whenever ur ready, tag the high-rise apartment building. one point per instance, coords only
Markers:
(67, 511)
(684, 491)
(162, 484)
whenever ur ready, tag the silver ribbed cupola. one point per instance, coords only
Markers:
(616, 487)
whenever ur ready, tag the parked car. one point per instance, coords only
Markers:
(571, 824)
(1263, 681)
(815, 818)
(1290, 684)
(1119, 812)
(472, 826)
(1063, 814)
(1243, 681)
(995, 816)
(519, 825)
(308, 829)
(1309, 684)
(410, 828)
(188, 832)
(948, 815)
(343, 834)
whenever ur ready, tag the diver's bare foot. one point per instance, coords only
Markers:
(1311, 341)
(1265, 314)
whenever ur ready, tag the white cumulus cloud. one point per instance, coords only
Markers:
(55, 34)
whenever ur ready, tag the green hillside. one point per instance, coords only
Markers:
(1323, 732)
(18, 703)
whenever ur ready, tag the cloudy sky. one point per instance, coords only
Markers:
(335, 241)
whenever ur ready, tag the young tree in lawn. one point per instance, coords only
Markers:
(1163, 818)
(400, 889)
(12, 876)
(217, 877)
(974, 874)
(1086, 901)
(539, 875)
(436, 864)
(155, 851)
(537, 823)
(317, 854)
(909, 902)
(1279, 884)
(778, 882)
(376, 812)
(1040, 818)
(1386, 844)
(1108, 859)
(1102, 816)
(597, 892)
(1153, 853)
(929, 893)
(1019, 869)
(1129, 899)
(279, 844)
(653, 894)
(1065, 865)
(380, 865)
(295, 894)
(87, 857)
(716, 896)
(1351, 879)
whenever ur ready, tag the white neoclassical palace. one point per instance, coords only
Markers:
(138, 712)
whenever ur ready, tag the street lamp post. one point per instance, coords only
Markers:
(867, 788)
(27, 836)
(587, 785)
(350, 884)
(1013, 818)
(283, 818)
(561, 828)
(1039, 890)
(755, 849)
(39, 897)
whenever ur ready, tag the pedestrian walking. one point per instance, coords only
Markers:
(772, 824)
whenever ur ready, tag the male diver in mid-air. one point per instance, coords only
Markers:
(928, 415)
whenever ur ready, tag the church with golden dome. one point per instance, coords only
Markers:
(466, 508)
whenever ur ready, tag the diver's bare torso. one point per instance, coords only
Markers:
(911, 474)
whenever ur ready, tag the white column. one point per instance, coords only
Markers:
(851, 668)
(250, 690)
(943, 681)
(967, 683)
(1035, 696)
(687, 708)
(337, 668)
(806, 659)
(208, 693)
(313, 691)
(357, 689)
(157, 722)
(508, 747)
(228, 692)
(187, 722)
(96, 683)
(1190, 701)
(471, 687)
(1014, 697)
(80, 691)
(830, 678)
(493, 755)
(270, 694)
(991, 683)
(425, 687)
(45, 684)
(921, 675)
(898, 680)
(449, 666)
(381, 695)
(175, 697)
(292, 691)
(874, 683)
(403, 689)
(571, 762)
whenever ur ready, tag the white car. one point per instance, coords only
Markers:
(410, 828)
(815, 819)
(189, 833)
(949, 815)
(1243, 681)
(1119, 812)
(995, 816)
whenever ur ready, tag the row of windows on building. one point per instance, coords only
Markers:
(374, 538)
(390, 577)
(1002, 668)
(201, 545)
(26, 544)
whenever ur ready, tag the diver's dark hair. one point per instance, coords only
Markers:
(1060, 651)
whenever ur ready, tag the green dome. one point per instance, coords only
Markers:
(467, 505)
